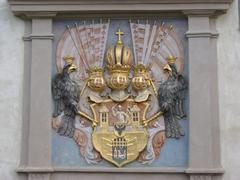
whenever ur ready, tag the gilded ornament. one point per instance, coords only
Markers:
(96, 81)
(119, 63)
(140, 79)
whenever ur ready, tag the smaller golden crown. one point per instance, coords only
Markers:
(68, 59)
(140, 69)
(171, 59)
(95, 70)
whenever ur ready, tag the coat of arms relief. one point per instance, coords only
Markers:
(119, 103)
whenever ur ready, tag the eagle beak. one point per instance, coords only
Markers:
(72, 68)
(167, 68)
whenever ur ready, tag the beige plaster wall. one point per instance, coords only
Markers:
(11, 82)
(229, 90)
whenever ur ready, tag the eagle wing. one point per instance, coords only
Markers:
(181, 95)
(66, 97)
(167, 97)
(57, 88)
(71, 97)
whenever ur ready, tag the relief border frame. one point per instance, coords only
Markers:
(204, 159)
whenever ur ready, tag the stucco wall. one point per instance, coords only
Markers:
(229, 90)
(11, 82)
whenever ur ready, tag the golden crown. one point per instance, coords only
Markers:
(119, 57)
(95, 70)
(140, 69)
(68, 59)
(171, 59)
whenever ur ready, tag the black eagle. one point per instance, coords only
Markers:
(66, 92)
(171, 95)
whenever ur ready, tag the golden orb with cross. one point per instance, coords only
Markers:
(119, 34)
(119, 62)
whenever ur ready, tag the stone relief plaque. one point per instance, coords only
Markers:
(120, 93)
(120, 98)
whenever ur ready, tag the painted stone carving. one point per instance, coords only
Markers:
(66, 98)
(119, 94)
(171, 94)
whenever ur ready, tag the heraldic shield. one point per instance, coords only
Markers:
(120, 134)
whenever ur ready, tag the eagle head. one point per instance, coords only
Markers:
(69, 68)
(170, 69)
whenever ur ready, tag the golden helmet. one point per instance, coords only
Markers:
(118, 81)
(96, 81)
(140, 79)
